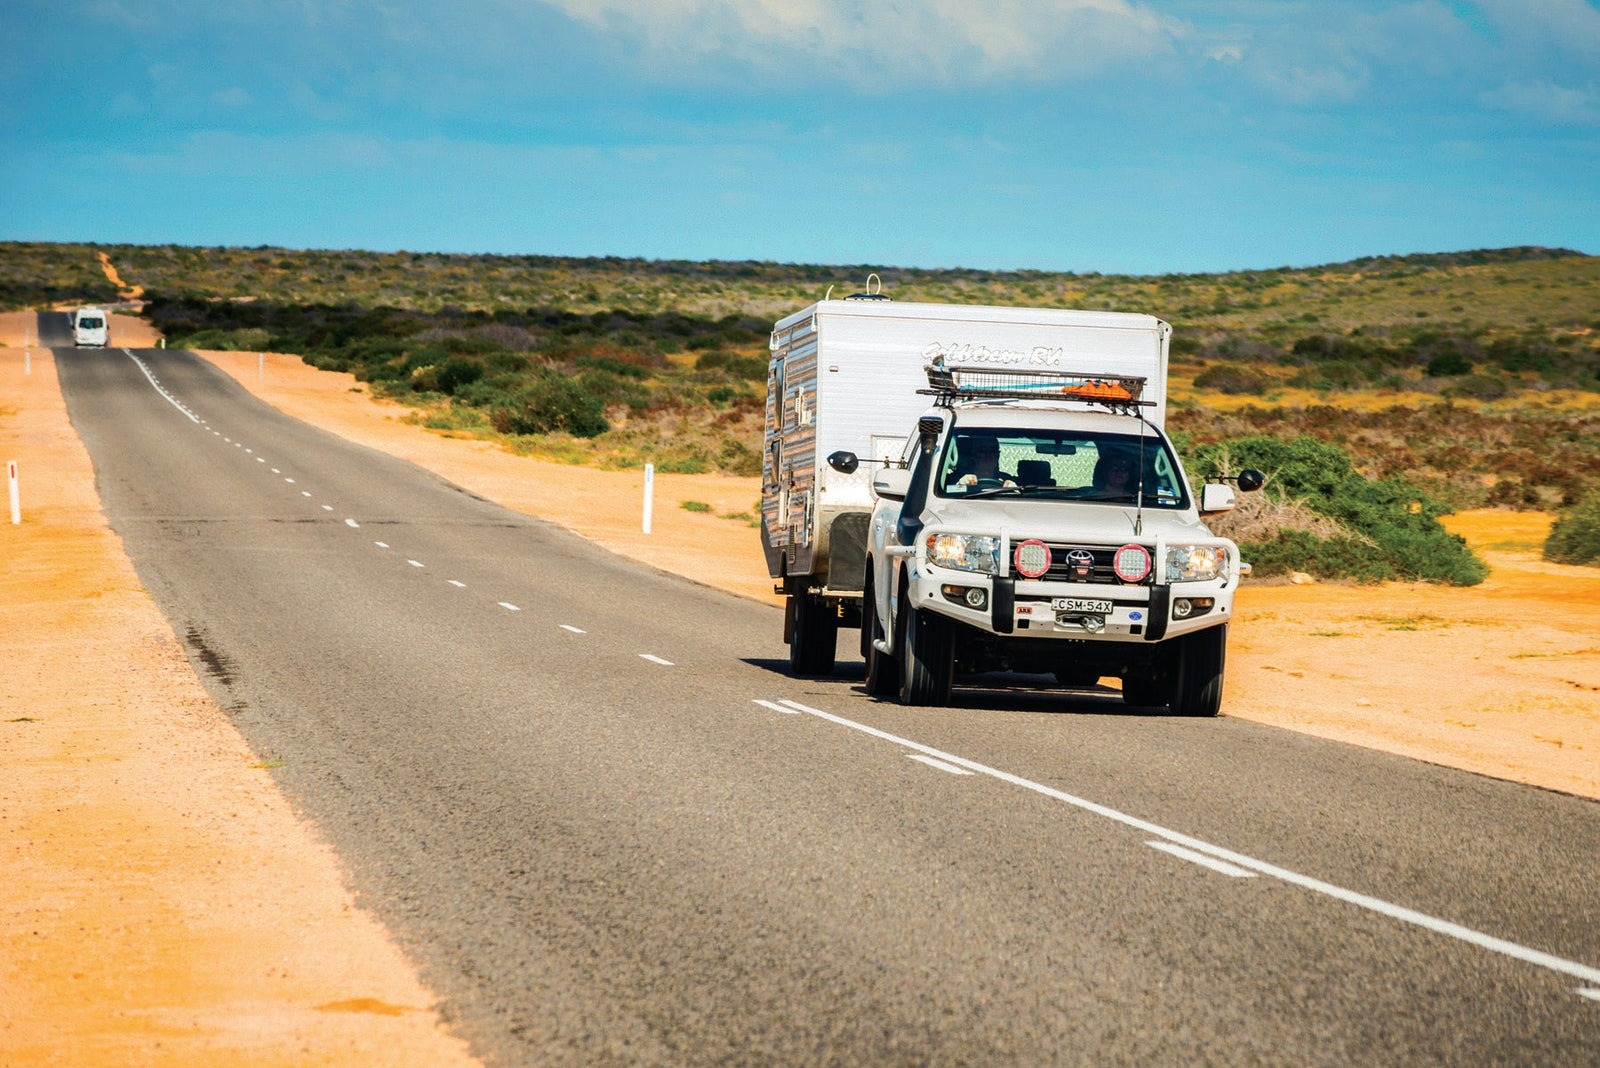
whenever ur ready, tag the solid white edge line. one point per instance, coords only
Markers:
(1591, 993)
(575, 630)
(509, 607)
(777, 708)
(1201, 859)
(656, 660)
(1384, 908)
(941, 765)
(170, 398)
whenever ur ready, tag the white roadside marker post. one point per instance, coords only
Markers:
(16, 499)
(261, 365)
(27, 353)
(649, 493)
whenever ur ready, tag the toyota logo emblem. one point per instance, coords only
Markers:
(1080, 562)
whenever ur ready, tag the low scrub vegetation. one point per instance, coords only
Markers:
(1575, 535)
(1380, 528)
(1433, 382)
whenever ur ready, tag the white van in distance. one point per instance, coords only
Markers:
(90, 328)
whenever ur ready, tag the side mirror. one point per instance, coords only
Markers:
(1216, 498)
(1251, 480)
(844, 462)
(892, 483)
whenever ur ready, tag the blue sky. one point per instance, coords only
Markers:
(1107, 135)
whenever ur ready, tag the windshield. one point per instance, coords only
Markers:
(91, 324)
(1059, 465)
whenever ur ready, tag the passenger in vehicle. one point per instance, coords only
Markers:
(1114, 474)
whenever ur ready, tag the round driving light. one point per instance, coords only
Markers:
(975, 597)
(1132, 563)
(1032, 558)
(1181, 608)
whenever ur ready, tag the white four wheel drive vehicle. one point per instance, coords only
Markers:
(1034, 519)
(90, 328)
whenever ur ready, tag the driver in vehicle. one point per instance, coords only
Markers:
(980, 458)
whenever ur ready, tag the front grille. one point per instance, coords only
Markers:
(1061, 568)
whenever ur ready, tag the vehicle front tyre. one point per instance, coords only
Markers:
(883, 670)
(927, 663)
(813, 635)
(1201, 658)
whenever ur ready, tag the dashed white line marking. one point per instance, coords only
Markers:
(276, 471)
(458, 585)
(381, 544)
(1514, 950)
(170, 398)
(941, 765)
(575, 630)
(352, 523)
(305, 493)
(656, 660)
(509, 607)
(259, 460)
(416, 563)
(327, 508)
(252, 451)
(1204, 861)
(289, 480)
(779, 708)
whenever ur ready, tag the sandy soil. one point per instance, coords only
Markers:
(161, 903)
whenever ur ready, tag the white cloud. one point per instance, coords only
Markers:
(945, 42)
(231, 98)
(1548, 102)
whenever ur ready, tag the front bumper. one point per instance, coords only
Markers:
(1078, 611)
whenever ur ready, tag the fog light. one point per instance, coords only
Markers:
(976, 598)
(1181, 608)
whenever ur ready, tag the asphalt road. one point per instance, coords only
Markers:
(610, 829)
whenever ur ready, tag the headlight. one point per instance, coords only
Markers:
(965, 552)
(1195, 563)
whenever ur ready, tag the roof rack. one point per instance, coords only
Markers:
(966, 382)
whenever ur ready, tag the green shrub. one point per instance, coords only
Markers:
(1333, 374)
(1575, 535)
(1483, 387)
(1231, 378)
(242, 340)
(1400, 521)
(1447, 362)
(457, 372)
(749, 368)
(549, 403)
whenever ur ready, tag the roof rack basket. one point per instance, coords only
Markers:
(966, 382)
